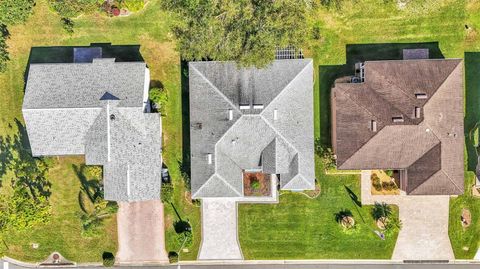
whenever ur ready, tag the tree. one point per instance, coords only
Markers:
(15, 11)
(241, 30)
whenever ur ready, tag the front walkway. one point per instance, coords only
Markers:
(141, 235)
(424, 233)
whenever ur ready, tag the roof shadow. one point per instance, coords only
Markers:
(359, 53)
(472, 103)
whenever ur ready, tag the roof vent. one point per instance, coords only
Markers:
(112, 116)
(397, 119)
(373, 125)
(230, 114)
(257, 106)
(421, 96)
(417, 112)
(209, 158)
(244, 106)
(275, 114)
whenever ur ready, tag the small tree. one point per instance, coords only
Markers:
(67, 24)
(381, 212)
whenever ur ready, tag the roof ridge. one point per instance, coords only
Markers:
(288, 84)
(443, 82)
(216, 89)
(278, 133)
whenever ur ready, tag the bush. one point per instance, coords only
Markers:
(255, 185)
(173, 257)
(15, 11)
(67, 24)
(132, 5)
(73, 8)
(167, 192)
(326, 153)
(108, 259)
(389, 173)
(4, 57)
(376, 182)
(160, 98)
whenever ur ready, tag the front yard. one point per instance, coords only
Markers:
(304, 228)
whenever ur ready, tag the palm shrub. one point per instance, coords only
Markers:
(381, 212)
(345, 218)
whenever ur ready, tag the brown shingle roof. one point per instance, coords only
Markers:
(429, 148)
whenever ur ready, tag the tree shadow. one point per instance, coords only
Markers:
(185, 163)
(91, 187)
(472, 106)
(359, 53)
(28, 171)
(342, 214)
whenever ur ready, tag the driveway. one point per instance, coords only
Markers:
(424, 233)
(219, 230)
(141, 235)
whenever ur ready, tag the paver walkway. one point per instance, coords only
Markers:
(424, 233)
(219, 230)
(141, 235)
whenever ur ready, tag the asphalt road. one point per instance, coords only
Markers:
(299, 265)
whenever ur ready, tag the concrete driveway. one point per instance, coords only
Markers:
(141, 234)
(219, 230)
(424, 233)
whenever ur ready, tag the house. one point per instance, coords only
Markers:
(404, 115)
(246, 121)
(97, 107)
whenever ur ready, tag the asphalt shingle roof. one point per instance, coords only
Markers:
(252, 139)
(97, 109)
(428, 146)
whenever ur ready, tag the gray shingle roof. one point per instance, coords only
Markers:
(97, 109)
(252, 139)
(81, 85)
(429, 148)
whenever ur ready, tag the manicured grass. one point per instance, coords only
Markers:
(361, 30)
(149, 29)
(303, 228)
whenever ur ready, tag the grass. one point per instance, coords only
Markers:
(149, 29)
(303, 228)
(372, 29)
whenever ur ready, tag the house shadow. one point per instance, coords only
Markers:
(472, 106)
(359, 53)
(185, 163)
(65, 54)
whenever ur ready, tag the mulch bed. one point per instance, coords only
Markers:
(466, 218)
(262, 179)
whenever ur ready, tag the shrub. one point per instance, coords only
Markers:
(108, 259)
(376, 182)
(326, 153)
(15, 11)
(132, 5)
(67, 24)
(167, 192)
(160, 98)
(173, 257)
(389, 173)
(255, 185)
(73, 8)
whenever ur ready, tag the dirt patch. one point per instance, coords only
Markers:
(314, 193)
(256, 184)
(466, 218)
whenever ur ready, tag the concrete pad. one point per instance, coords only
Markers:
(141, 233)
(219, 230)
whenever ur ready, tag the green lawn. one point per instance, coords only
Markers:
(303, 228)
(148, 28)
